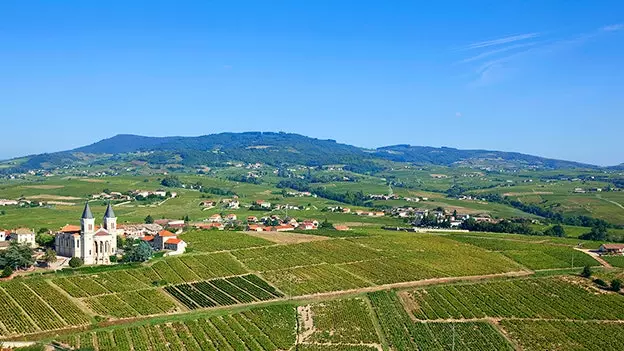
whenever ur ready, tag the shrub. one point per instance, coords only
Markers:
(76, 262)
(6, 272)
(600, 283)
(587, 272)
(616, 285)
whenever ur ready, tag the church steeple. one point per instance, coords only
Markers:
(110, 221)
(109, 211)
(86, 213)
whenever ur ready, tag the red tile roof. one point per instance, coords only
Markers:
(69, 228)
(165, 233)
(173, 241)
(147, 238)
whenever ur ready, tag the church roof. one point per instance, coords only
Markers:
(109, 212)
(102, 232)
(86, 213)
(70, 228)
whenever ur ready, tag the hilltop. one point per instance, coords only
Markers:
(279, 149)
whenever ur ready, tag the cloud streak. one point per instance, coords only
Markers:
(501, 41)
(497, 51)
(509, 55)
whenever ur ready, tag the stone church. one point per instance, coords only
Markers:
(94, 245)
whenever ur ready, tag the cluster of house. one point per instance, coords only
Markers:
(276, 224)
(113, 195)
(21, 202)
(369, 213)
(300, 194)
(146, 193)
(21, 235)
(590, 190)
(396, 197)
(338, 209)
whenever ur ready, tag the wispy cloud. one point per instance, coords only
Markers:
(497, 51)
(509, 56)
(501, 41)
(613, 27)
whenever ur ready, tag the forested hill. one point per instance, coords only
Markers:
(278, 149)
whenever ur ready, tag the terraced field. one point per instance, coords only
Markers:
(532, 255)
(547, 298)
(565, 335)
(31, 306)
(223, 292)
(261, 329)
(402, 333)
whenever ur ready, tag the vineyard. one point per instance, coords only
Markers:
(402, 333)
(533, 255)
(174, 270)
(565, 335)
(132, 303)
(337, 322)
(524, 298)
(261, 329)
(223, 292)
(33, 305)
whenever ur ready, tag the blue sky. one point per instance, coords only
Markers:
(540, 77)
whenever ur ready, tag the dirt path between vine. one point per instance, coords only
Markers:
(596, 257)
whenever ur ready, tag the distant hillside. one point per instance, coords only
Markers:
(278, 149)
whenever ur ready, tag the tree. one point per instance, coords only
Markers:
(140, 252)
(43, 231)
(17, 256)
(616, 285)
(556, 230)
(49, 256)
(587, 272)
(2, 213)
(6, 272)
(326, 225)
(187, 219)
(45, 240)
(598, 233)
(171, 182)
(149, 219)
(76, 262)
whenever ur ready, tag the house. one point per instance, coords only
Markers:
(3, 235)
(341, 228)
(231, 217)
(308, 225)
(263, 204)
(208, 226)
(175, 245)
(255, 227)
(137, 231)
(611, 249)
(252, 219)
(215, 218)
(24, 236)
(346, 210)
(207, 203)
(284, 228)
(158, 243)
(4, 202)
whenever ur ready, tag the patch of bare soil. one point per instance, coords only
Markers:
(52, 197)
(409, 305)
(529, 193)
(306, 318)
(286, 237)
(61, 203)
(45, 187)
(89, 180)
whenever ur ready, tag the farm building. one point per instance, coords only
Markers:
(611, 249)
